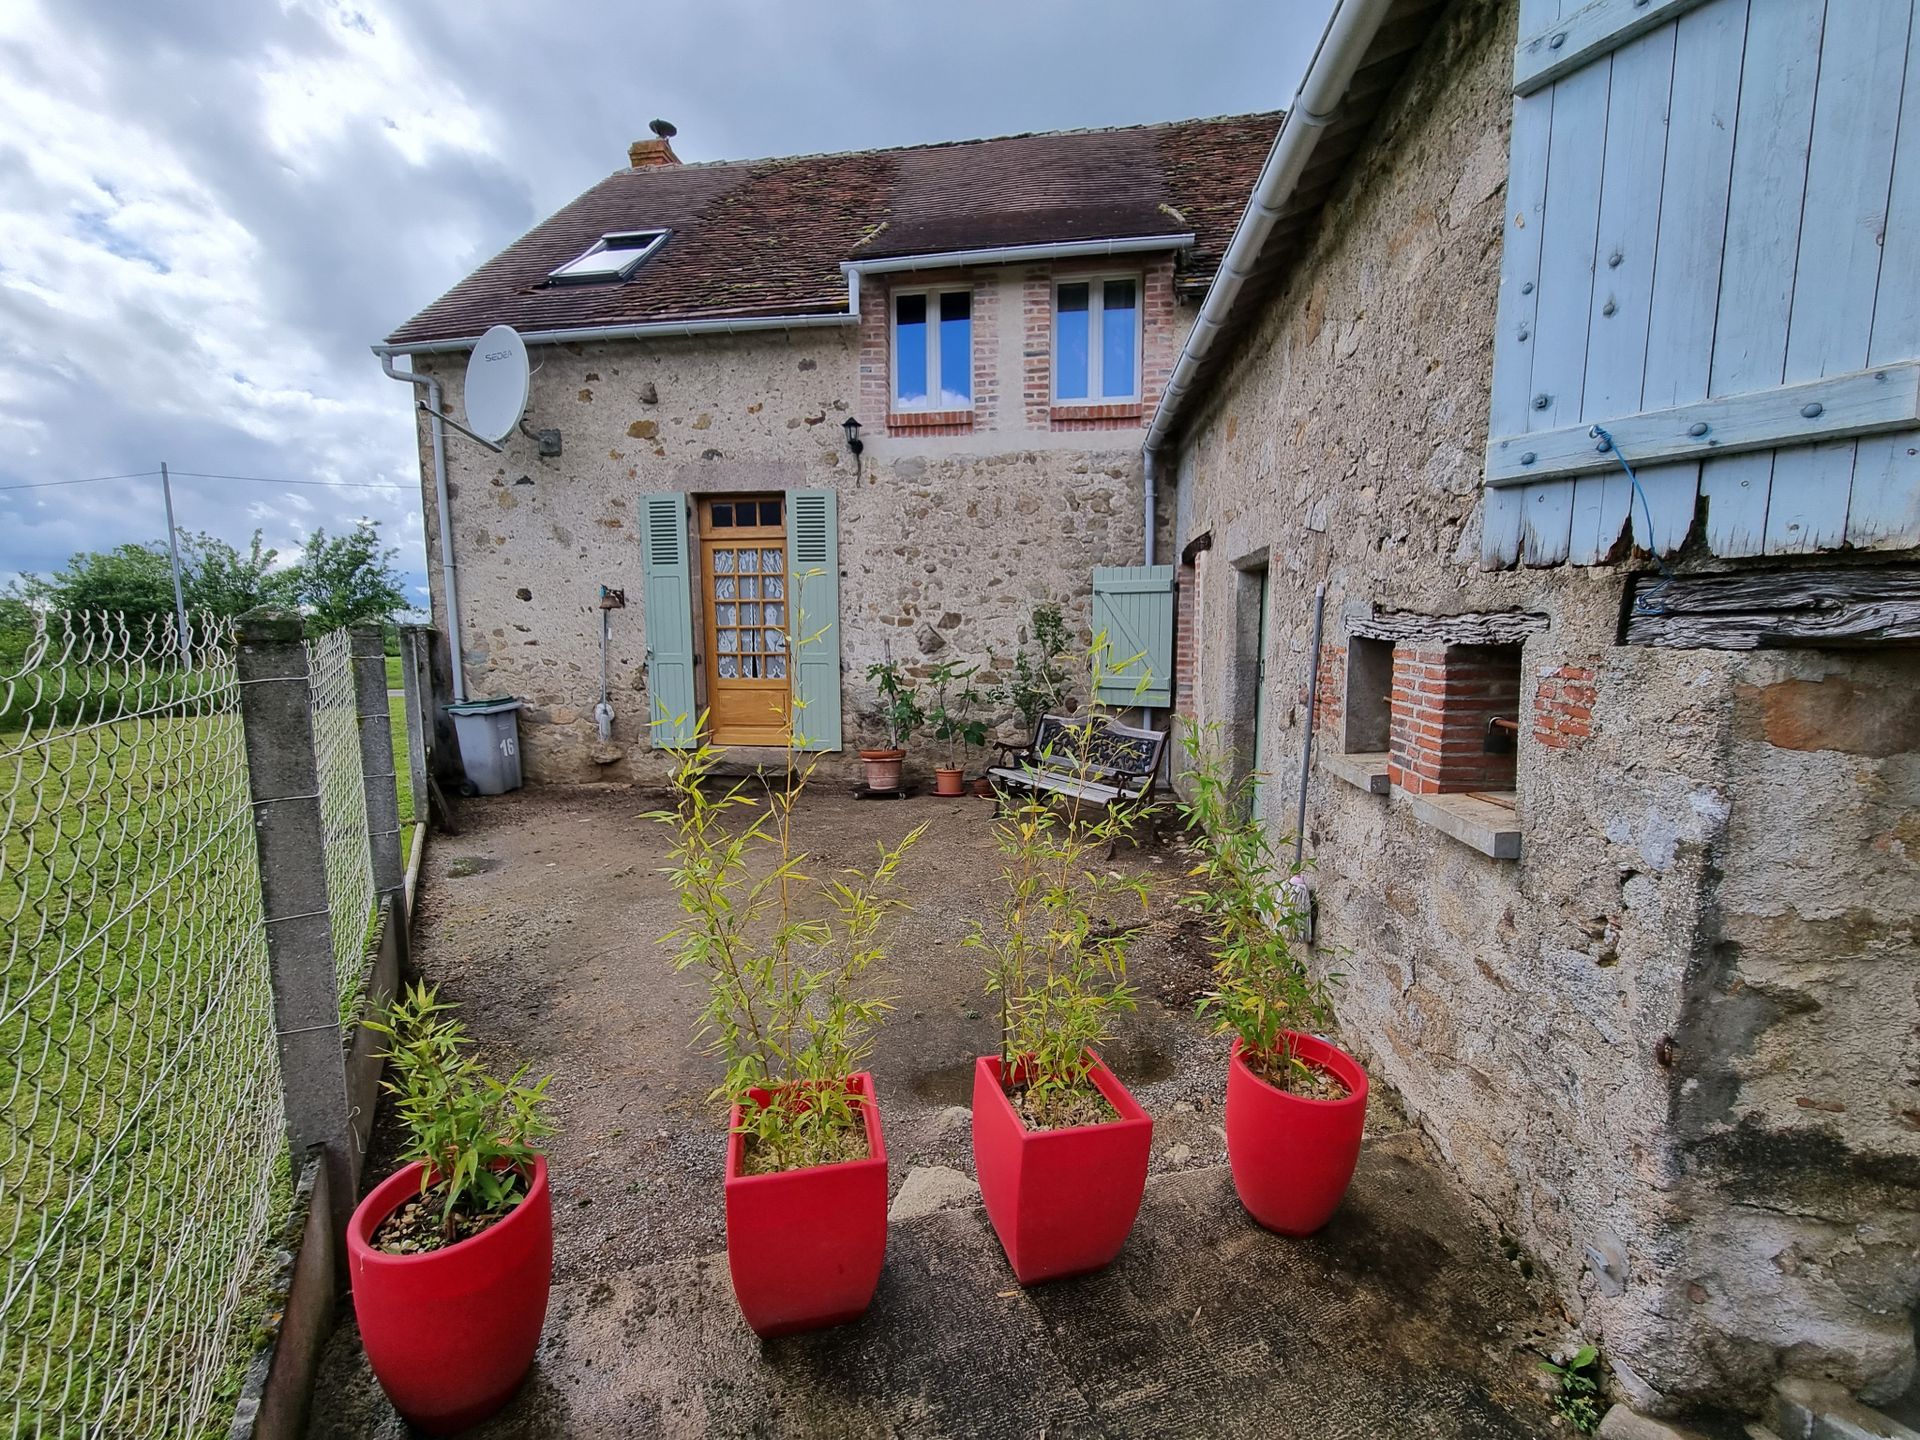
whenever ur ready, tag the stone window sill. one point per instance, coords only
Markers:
(1364, 771)
(1488, 825)
(928, 419)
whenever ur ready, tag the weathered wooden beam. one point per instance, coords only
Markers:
(1407, 627)
(1838, 608)
(1863, 402)
(1584, 36)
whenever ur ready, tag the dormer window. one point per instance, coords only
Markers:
(610, 258)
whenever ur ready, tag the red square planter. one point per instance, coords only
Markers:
(805, 1246)
(1062, 1201)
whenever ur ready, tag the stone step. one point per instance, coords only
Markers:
(1819, 1410)
(1621, 1423)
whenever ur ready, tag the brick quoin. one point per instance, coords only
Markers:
(1183, 642)
(1563, 705)
(1444, 698)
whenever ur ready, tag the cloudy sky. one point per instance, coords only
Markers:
(210, 208)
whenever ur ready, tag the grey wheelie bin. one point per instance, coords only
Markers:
(489, 736)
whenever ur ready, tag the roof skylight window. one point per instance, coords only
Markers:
(610, 258)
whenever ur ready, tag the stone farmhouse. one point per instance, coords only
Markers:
(1526, 428)
(999, 318)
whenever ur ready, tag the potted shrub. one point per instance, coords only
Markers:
(1059, 1145)
(451, 1257)
(954, 720)
(1296, 1105)
(901, 714)
(806, 1167)
(1040, 683)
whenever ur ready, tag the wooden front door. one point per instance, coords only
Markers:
(743, 554)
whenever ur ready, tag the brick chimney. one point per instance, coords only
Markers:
(655, 151)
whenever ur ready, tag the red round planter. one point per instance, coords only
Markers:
(1292, 1158)
(450, 1334)
(1061, 1201)
(805, 1246)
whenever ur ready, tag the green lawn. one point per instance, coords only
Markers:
(394, 678)
(139, 1028)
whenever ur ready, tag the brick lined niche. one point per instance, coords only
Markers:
(1563, 706)
(1329, 697)
(1446, 699)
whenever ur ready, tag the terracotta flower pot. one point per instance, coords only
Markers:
(949, 780)
(883, 768)
(1061, 1201)
(450, 1334)
(805, 1247)
(1292, 1157)
(983, 787)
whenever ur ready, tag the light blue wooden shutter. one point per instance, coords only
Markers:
(1133, 609)
(1713, 214)
(813, 566)
(668, 618)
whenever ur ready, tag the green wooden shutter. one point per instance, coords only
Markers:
(1133, 608)
(813, 567)
(669, 619)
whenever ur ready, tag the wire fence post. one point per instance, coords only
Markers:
(276, 715)
(417, 681)
(378, 774)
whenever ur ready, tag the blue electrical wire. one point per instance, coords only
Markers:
(1642, 601)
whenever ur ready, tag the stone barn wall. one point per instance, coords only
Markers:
(946, 541)
(1674, 1048)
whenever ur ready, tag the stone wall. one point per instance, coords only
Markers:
(1672, 1050)
(946, 540)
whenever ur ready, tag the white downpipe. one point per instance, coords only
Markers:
(1148, 497)
(1350, 30)
(439, 433)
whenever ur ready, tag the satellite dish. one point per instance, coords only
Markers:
(496, 390)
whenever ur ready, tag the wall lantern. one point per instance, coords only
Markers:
(854, 443)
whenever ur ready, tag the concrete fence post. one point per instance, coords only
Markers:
(417, 680)
(378, 774)
(276, 717)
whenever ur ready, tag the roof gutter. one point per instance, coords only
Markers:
(648, 330)
(1350, 30)
(1014, 254)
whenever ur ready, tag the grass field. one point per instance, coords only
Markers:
(136, 1024)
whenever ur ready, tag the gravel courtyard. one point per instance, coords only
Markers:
(540, 920)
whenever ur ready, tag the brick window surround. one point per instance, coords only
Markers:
(1445, 698)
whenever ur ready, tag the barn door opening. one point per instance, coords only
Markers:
(743, 554)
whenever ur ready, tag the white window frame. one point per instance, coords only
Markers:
(897, 406)
(655, 239)
(1096, 315)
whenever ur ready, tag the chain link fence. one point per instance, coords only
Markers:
(343, 808)
(144, 1165)
(143, 1148)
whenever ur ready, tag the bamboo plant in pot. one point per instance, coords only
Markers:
(1059, 1145)
(1296, 1104)
(451, 1257)
(785, 959)
(954, 720)
(901, 715)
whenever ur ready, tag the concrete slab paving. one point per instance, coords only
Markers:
(1400, 1319)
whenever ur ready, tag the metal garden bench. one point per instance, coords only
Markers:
(1087, 758)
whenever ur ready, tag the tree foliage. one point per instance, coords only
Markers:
(344, 579)
(339, 580)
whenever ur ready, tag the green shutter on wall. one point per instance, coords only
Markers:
(1133, 609)
(668, 618)
(813, 566)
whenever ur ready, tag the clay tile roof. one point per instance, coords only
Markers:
(767, 237)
